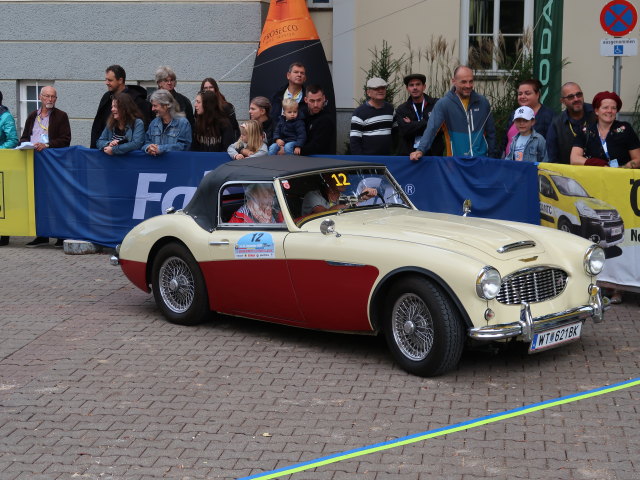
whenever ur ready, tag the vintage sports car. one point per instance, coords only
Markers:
(337, 245)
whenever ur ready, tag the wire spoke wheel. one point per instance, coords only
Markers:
(422, 327)
(177, 285)
(412, 326)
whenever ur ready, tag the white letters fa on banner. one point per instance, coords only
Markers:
(145, 194)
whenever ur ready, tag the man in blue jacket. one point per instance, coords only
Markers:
(466, 119)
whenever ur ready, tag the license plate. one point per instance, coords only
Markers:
(616, 230)
(555, 337)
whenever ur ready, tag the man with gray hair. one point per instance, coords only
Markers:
(170, 130)
(47, 127)
(166, 80)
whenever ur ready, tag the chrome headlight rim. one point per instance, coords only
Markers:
(488, 281)
(592, 253)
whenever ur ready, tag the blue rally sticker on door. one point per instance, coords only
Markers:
(255, 245)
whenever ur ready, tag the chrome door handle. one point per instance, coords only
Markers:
(222, 242)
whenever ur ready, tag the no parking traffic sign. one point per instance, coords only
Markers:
(618, 18)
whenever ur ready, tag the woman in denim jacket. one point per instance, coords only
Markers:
(170, 130)
(125, 129)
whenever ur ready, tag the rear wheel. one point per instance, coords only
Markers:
(422, 328)
(178, 286)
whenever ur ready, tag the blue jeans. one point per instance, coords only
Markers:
(288, 148)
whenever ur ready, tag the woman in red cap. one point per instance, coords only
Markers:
(607, 142)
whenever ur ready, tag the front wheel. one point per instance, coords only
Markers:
(178, 286)
(564, 225)
(422, 328)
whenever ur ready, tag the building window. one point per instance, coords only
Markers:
(150, 86)
(320, 3)
(492, 32)
(29, 99)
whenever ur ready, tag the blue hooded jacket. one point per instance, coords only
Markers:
(8, 133)
(468, 133)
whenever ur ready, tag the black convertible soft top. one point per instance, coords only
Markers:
(203, 207)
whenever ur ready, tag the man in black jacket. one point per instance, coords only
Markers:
(296, 76)
(566, 125)
(114, 79)
(412, 117)
(321, 128)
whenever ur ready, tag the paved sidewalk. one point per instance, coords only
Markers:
(94, 384)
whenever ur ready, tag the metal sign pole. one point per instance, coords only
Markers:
(617, 74)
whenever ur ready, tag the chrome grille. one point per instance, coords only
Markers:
(532, 285)
(607, 214)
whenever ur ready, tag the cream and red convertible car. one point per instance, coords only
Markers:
(337, 245)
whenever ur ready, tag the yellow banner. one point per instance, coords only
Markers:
(17, 205)
(599, 203)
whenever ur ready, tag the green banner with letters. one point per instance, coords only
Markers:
(547, 50)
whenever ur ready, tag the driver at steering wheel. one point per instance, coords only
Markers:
(329, 195)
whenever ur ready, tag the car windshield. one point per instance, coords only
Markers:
(327, 192)
(569, 187)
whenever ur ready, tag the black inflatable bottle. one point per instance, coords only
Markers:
(289, 36)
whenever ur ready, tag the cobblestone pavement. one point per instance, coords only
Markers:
(94, 384)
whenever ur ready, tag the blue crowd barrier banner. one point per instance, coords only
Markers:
(84, 194)
(498, 189)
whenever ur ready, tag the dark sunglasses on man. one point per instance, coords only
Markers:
(573, 95)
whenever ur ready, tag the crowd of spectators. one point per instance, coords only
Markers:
(295, 121)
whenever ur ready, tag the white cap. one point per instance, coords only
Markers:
(524, 112)
(376, 82)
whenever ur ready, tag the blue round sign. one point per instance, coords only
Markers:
(618, 18)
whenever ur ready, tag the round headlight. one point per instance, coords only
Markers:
(594, 260)
(488, 283)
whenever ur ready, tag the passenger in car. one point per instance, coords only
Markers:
(328, 196)
(261, 206)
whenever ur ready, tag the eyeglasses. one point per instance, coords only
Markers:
(48, 96)
(573, 95)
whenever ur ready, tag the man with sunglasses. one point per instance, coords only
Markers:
(568, 123)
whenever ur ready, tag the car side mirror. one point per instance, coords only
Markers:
(328, 227)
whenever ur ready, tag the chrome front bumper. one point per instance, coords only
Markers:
(527, 326)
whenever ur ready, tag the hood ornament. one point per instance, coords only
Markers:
(466, 207)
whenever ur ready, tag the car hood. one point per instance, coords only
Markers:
(442, 230)
(594, 203)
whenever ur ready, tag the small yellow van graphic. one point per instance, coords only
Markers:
(566, 205)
